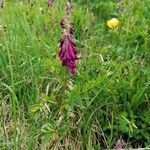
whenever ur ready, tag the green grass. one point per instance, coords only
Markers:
(43, 107)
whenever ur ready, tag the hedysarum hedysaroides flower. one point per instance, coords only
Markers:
(68, 52)
(50, 2)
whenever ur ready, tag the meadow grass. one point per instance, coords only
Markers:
(43, 107)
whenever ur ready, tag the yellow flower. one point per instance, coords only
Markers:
(113, 23)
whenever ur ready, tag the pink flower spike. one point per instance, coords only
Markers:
(68, 52)
(50, 2)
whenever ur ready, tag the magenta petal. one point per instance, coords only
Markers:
(67, 54)
(72, 52)
(72, 67)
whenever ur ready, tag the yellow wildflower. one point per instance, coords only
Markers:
(113, 23)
